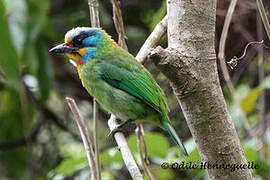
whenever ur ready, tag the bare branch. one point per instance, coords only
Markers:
(47, 113)
(189, 63)
(94, 15)
(234, 61)
(221, 56)
(264, 17)
(150, 42)
(143, 151)
(31, 136)
(85, 137)
(95, 134)
(125, 151)
(153, 39)
(95, 22)
(122, 144)
(221, 52)
(261, 103)
(119, 24)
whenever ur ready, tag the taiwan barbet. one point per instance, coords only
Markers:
(118, 82)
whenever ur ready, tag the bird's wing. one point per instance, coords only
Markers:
(135, 80)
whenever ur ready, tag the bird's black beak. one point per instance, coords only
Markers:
(63, 48)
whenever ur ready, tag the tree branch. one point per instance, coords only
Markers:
(221, 56)
(262, 94)
(143, 151)
(94, 14)
(222, 43)
(47, 113)
(95, 22)
(125, 151)
(189, 63)
(264, 17)
(153, 39)
(31, 136)
(85, 137)
(119, 24)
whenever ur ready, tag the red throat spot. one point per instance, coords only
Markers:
(114, 42)
(70, 44)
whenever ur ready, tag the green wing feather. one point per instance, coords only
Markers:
(132, 78)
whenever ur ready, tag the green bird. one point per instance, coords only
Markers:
(118, 82)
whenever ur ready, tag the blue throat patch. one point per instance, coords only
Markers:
(90, 53)
(91, 43)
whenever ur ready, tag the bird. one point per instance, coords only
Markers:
(119, 83)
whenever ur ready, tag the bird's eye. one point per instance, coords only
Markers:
(78, 42)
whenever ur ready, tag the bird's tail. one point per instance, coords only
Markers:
(174, 136)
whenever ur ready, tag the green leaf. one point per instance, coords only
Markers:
(251, 154)
(12, 127)
(107, 175)
(242, 91)
(74, 150)
(17, 10)
(248, 103)
(193, 156)
(250, 149)
(8, 53)
(153, 17)
(45, 71)
(71, 165)
(263, 169)
(110, 156)
(157, 145)
(266, 83)
(160, 173)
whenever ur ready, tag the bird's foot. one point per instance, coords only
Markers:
(119, 128)
(115, 130)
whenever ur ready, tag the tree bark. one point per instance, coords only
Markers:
(189, 63)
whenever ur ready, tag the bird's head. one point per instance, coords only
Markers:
(82, 43)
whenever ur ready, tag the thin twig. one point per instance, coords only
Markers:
(143, 151)
(95, 124)
(119, 25)
(85, 137)
(153, 39)
(95, 22)
(30, 163)
(31, 135)
(221, 56)
(221, 52)
(234, 61)
(264, 17)
(125, 151)
(94, 15)
(150, 42)
(47, 113)
(262, 94)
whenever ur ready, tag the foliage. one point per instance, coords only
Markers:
(37, 133)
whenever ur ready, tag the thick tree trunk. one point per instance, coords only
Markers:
(189, 63)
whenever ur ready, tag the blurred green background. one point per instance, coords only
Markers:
(38, 136)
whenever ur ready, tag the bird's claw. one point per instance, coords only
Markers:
(115, 130)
